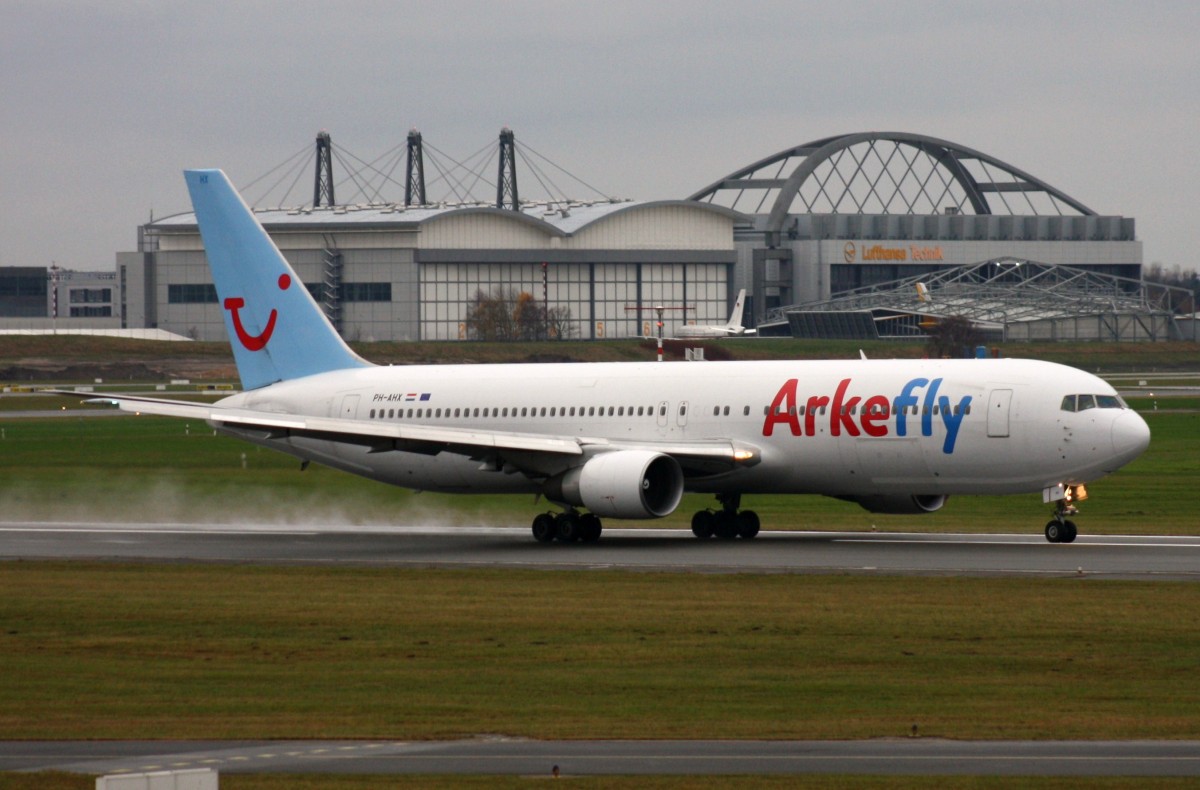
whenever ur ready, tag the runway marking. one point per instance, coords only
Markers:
(154, 531)
(1026, 542)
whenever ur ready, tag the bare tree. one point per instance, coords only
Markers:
(509, 314)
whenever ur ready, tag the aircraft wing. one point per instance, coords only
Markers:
(532, 453)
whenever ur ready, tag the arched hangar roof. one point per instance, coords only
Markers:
(884, 173)
(552, 219)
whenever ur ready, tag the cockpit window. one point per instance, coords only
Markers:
(1085, 402)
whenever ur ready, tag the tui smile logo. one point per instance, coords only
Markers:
(254, 342)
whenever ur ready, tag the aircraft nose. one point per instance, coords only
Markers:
(1130, 435)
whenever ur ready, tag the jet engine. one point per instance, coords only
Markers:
(902, 503)
(622, 484)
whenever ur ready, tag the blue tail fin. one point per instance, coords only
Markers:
(276, 329)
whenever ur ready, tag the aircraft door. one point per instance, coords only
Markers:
(349, 407)
(997, 418)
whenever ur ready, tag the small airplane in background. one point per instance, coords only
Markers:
(731, 328)
(625, 440)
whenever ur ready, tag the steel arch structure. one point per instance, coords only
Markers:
(885, 173)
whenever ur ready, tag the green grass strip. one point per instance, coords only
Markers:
(196, 651)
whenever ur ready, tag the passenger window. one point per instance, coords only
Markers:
(682, 409)
(726, 411)
(641, 411)
(372, 414)
(391, 413)
(620, 411)
(662, 411)
(1086, 402)
(611, 409)
(746, 411)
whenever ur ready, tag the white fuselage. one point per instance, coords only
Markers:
(841, 428)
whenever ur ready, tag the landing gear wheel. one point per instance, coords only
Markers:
(545, 529)
(1054, 532)
(747, 524)
(704, 524)
(1069, 532)
(727, 525)
(568, 527)
(590, 528)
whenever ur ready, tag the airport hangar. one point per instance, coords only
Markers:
(805, 224)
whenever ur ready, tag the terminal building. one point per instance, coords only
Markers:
(806, 225)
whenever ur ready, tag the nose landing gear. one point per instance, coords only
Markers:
(1061, 529)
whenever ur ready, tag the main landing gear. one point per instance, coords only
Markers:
(567, 527)
(728, 522)
(1061, 529)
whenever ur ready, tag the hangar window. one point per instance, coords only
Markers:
(192, 293)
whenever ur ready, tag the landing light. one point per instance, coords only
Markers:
(743, 455)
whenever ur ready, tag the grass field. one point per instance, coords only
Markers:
(197, 651)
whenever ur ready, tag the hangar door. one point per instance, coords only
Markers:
(997, 417)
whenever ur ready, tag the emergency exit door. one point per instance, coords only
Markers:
(997, 416)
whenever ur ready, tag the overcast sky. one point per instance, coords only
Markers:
(104, 102)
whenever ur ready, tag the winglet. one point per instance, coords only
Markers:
(277, 330)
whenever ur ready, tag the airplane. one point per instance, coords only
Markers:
(730, 328)
(625, 440)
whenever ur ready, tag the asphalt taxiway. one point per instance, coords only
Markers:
(515, 756)
(1091, 556)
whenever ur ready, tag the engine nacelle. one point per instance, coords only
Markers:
(622, 484)
(902, 503)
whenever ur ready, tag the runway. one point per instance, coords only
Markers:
(515, 756)
(1127, 557)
